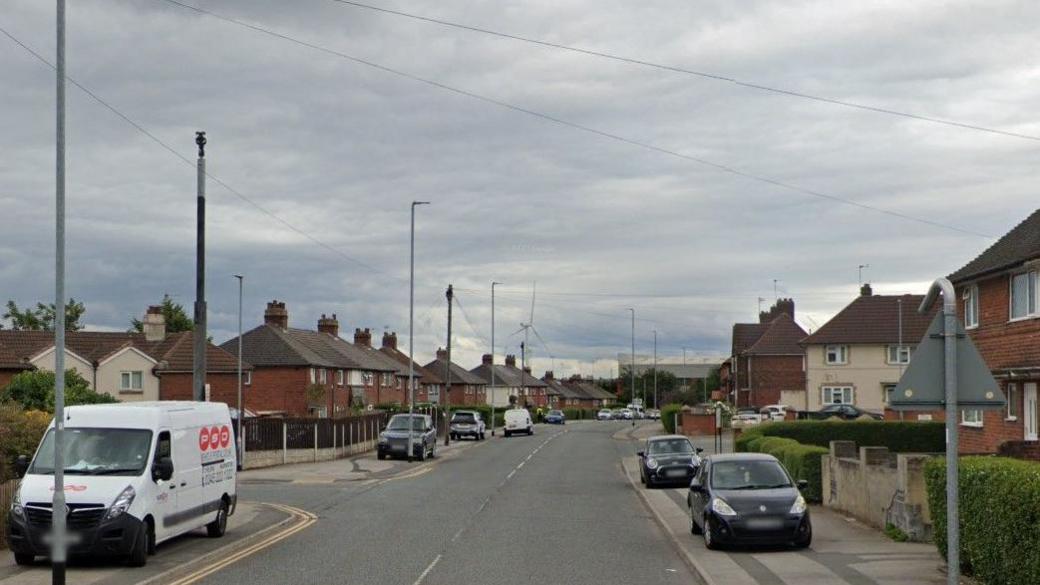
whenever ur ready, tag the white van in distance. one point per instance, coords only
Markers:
(518, 420)
(136, 474)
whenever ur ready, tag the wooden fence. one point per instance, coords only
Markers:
(276, 441)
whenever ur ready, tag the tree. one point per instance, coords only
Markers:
(42, 317)
(34, 390)
(176, 317)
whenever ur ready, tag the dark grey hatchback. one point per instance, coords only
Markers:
(668, 459)
(748, 498)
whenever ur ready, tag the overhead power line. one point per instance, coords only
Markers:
(191, 163)
(576, 126)
(703, 74)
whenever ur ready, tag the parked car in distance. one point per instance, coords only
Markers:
(637, 411)
(773, 412)
(748, 498)
(393, 441)
(121, 461)
(653, 414)
(467, 423)
(617, 414)
(746, 416)
(605, 414)
(555, 417)
(518, 420)
(842, 411)
(668, 459)
(626, 414)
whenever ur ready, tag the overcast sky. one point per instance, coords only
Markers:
(339, 149)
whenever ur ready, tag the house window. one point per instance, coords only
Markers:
(971, 306)
(324, 375)
(314, 375)
(1012, 405)
(247, 378)
(836, 354)
(899, 354)
(837, 395)
(886, 392)
(131, 380)
(339, 377)
(971, 417)
(366, 377)
(1023, 295)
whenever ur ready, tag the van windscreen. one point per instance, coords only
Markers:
(97, 452)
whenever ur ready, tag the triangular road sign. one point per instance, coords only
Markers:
(922, 386)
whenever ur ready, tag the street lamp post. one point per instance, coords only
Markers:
(241, 411)
(58, 497)
(655, 368)
(633, 363)
(411, 332)
(493, 357)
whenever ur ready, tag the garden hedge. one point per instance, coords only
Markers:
(802, 461)
(668, 416)
(898, 436)
(1000, 517)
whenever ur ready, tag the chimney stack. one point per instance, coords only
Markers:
(329, 325)
(442, 354)
(154, 324)
(865, 290)
(782, 306)
(527, 369)
(548, 375)
(390, 339)
(276, 315)
(363, 337)
(511, 360)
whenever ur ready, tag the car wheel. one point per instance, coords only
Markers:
(218, 526)
(24, 559)
(806, 540)
(433, 451)
(710, 541)
(642, 476)
(380, 455)
(506, 433)
(694, 529)
(422, 452)
(139, 553)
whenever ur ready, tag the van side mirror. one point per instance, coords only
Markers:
(803, 484)
(21, 465)
(162, 470)
(700, 450)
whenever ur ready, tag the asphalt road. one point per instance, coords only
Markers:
(552, 508)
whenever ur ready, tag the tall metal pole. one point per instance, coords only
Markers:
(953, 544)
(199, 335)
(58, 499)
(523, 364)
(411, 331)
(241, 411)
(493, 357)
(655, 368)
(447, 395)
(633, 363)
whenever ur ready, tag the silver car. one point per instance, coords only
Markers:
(467, 423)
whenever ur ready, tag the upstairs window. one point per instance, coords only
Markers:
(131, 380)
(899, 354)
(314, 376)
(247, 378)
(323, 375)
(971, 307)
(339, 377)
(836, 354)
(1023, 295)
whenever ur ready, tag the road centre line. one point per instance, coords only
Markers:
(427, 571)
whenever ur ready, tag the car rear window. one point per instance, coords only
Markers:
(463, 417)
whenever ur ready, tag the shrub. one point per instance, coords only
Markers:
(668, 416)
(35, 391)
(999, 517)
(898, 436)
(20, 433)
(801, 461)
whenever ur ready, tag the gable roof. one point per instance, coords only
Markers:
(745, 335)
(271, 346)
(875, 319)
(592, 389)
(563, 390)
(459, 375)
(425, 376)
(504, 376)
(1019, 245)
(781, 338)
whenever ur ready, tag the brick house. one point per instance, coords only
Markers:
(301, 372)
(858, 356)
(465, 389)
(131, 367)
(393, 383)
(426, 383)
(506, 380)
(600, 397)
(770, 365)
(997, 295)
(564, 396)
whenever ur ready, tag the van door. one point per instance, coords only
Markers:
(187, 476)
(165, 504)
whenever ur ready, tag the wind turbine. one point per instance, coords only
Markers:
(529, 326)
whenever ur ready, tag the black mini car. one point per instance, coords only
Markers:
(668, 459)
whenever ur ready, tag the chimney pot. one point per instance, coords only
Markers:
(363, 337)
(548, 375)
(154, 324)
(329, 325)
(865, 290)
(442, 354)
(486, 359)
(390, 340)
(276, 314)
(511, 360)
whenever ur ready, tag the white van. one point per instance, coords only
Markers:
(518, 420)
(136, 474)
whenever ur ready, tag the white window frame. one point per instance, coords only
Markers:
(887, 389)
(366, 378)
(314, 375)
(1010, 391)
(902, 354)
(971, 417)
(126, 381)
(323, 376)
(339, 377)
(1031, 300)
(841, 354)
(247, 378)
(971, 307)
(827, 394)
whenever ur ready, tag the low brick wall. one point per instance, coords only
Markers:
(1029, 450)
(258, 459)
(694, 425)
(878, 487)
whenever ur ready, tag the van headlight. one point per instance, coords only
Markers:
(122, 503)
(720, 507)
(651, 463)
(383, 439)
(799, 505)
(16, 503)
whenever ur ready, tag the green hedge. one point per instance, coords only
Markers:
(898, 436)
(801, 461)
(1000, 517)
(668, 416)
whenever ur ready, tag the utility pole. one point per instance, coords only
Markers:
(411, 331)
(655, 368)
(523, 364)
(241, 411)
(493, 357)
(447, 395)
(58, 499)
(633, 372)
(199, 335)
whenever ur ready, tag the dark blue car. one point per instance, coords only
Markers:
(555, 417)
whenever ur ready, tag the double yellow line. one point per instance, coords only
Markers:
(301, 519)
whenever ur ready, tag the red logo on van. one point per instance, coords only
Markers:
(214, 438)
(225, 436)
(203, 439)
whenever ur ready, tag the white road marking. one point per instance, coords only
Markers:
(427, 571)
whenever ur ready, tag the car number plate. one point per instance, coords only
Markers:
(675, 473)
(764, 523)
(71, 538)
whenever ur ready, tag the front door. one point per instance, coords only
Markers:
(1029, 410)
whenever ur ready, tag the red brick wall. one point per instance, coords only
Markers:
(1021, 450)
(222, 387)
(1002, 344)
(697, 424)
(6, 375)
(769, 375)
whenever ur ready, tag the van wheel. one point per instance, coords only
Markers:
(380, 455)
(139, 554)
(216, 528)
(150, 528)
(24, 559)
(507, 434)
